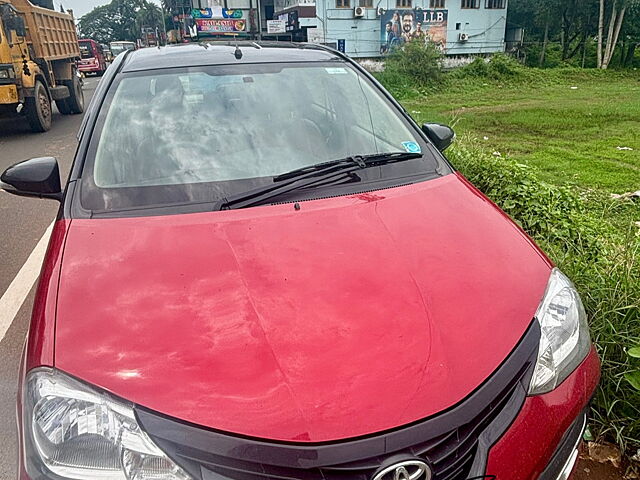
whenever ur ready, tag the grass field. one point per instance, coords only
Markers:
(557, 133)
(570, 134)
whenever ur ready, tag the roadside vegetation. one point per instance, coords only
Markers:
(551, 146)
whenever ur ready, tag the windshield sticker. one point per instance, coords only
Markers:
(412, 147)
(336, 71)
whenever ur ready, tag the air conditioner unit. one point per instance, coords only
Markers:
(463, 37)
(358, 12)
(380, 11)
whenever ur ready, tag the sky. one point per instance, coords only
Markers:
(80, 7)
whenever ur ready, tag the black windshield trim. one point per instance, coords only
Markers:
(299, 196)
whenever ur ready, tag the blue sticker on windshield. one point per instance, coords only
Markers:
(412, 147)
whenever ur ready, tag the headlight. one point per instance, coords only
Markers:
(76, 432)
(565, 340)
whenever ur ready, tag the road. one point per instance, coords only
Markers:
(23, 223)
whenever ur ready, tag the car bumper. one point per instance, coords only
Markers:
(539, 444)
(542, 441)
(89, 68)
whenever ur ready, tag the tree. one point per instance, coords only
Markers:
(539, 19)
(97, 25)
(150, 16)
(600, 32)
(119, 20)
(557, 30)
(576, 25)
(173, 8)
(630, 36)
(616, 19)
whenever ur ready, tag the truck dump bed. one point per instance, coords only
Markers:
(52, 34)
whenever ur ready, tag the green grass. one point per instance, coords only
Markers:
(570, 135)
(557, 167)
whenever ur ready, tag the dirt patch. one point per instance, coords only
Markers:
(590, 470)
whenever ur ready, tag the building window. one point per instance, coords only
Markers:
(403, 3)
(343, 3)
(470, 3)
(366, 3)
(495, 4)
(436, 3)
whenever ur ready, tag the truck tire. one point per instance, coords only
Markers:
(75, 101)
(38, 109)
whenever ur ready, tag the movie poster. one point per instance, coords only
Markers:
(401, 26)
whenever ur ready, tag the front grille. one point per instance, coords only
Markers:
(454, 443)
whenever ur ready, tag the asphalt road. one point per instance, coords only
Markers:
(23, 222)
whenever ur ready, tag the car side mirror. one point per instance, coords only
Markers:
(442, 136)
(38, 177)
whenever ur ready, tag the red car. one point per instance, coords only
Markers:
(92, 59)
(263, 269)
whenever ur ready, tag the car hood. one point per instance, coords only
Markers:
(350, 316)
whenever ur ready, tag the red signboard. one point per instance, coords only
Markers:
(214, 26)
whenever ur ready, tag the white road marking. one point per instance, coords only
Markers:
(20, 287)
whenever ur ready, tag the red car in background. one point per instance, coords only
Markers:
(251, 283)
(92, 57)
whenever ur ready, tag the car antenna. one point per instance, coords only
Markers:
(238, 52)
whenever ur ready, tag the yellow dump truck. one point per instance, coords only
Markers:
(38, 56)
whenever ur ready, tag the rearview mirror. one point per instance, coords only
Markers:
(442, 136)
(38, 177)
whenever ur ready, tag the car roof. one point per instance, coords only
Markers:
(223, 53)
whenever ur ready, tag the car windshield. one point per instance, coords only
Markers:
(86, 50)
(118, 48)
(233, 128)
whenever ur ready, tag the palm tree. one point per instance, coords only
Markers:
(149, 15)
(176, 6)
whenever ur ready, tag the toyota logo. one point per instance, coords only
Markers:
(407, 470)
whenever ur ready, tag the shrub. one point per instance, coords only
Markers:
(553, 214)
(578, 232)
(498, 67)
(417, 61)
(478, 68)
(399, 85)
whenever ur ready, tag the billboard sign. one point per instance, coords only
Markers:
(276, 26)
(218, 26)
(291, 20)
(216, 12)
(401, 26)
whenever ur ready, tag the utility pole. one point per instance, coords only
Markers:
(259, 20)
(164, 23)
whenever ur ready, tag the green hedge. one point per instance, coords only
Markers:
(593, 240)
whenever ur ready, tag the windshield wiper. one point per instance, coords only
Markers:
(326, 173)
(363, 161)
